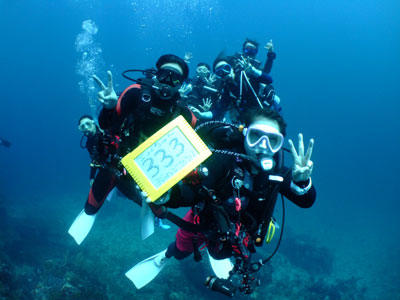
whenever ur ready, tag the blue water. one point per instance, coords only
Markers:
(336, 72)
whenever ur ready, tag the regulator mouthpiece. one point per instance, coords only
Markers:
(267, 164)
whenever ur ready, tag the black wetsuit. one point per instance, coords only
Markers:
(271, 56)
(92, 144)
(198, 93)
(133, 120)
(237, 95)
(230, 179)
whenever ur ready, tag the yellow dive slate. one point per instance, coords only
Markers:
(166, 157)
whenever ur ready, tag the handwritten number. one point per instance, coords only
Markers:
(164, 157)
(151, 166)
(177, 144)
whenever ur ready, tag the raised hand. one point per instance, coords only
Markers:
(107, 95)
(210, 80)
(269, 46)
(207, 103)
(185, 89)
(188, 56)
(302, 164)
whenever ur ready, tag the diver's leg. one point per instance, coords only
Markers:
(127, 187)
(185, 240)
(102, 186)
(173, 251)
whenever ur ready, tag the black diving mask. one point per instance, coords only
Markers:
(223, 70)
(169, 77)
(250, 51)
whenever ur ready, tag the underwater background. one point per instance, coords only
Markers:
(337, 74)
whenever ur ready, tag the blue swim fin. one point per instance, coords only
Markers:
(145, 271)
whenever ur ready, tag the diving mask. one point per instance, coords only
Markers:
(223, 70)
(86, 125)
(250, 51)
(169, 77)
(202, 70)
(265, 137)
(262, 142)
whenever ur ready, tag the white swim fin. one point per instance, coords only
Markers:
(221, 267)
(110, 194)
(145, 271)
(81, 226)
(146, 220)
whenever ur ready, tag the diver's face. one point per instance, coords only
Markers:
(262, 140)
(169, 79)
(87, 126)
(250, 50)
(224, 71)
(202, 72)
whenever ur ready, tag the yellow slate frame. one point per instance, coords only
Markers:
(139, 175)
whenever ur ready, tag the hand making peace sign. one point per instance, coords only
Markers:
(107, 95)
(302, 165)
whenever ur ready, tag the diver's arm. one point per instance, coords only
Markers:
(207, 115)
(268, 64)
(185, 111)
(127, 103)
(181, 196)
(265, 78)
(262, 76)
(251, 70)
(306, 200)
(106, 118)
(222, 105)
(270, 57)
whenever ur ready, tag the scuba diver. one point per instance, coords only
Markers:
(247, 61)
(203, 93)
(5, 143)
(102, 150)
(139, 111)
(96, 144)
(102, 147)
(232, 203)
(250, 50)
(238, 85)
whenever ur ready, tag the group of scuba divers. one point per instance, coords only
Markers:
(231, 196)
